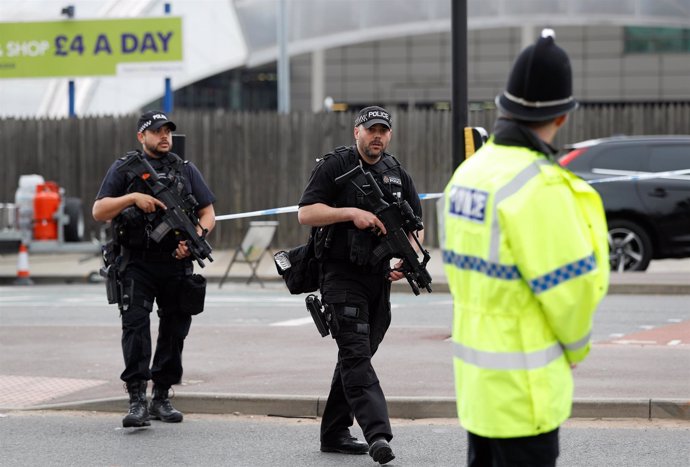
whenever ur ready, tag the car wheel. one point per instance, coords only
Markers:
(74, 228)
(630, 248)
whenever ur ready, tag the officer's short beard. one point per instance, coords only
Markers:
(151, 149)
(370, 153)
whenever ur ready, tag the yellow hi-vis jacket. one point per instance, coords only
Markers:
(526, 255)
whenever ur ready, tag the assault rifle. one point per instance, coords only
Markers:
(399, 219)
(180, 214)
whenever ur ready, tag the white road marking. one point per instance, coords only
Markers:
(16, 297)
(634, 342)
(293, 322)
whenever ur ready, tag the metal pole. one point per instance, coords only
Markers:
(168, 96)
(459, 66)
(71, 94)
(69, 11)
(318, 80)
(283, 58)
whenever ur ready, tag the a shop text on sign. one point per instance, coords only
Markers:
(86, 48)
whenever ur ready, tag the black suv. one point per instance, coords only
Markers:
(647, 218)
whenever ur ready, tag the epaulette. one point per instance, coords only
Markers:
(390, 161)
(129, 154)
(178, 159)
(342, 151)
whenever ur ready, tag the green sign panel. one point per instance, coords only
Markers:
(71, 48)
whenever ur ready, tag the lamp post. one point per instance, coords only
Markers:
(68, 11)
(459, 67)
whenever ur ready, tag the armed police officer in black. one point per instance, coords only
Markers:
(153, 271)
(357, 291)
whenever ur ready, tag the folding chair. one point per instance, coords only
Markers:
(255, 244)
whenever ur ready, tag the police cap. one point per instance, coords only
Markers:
(372, 115)
(153, 120)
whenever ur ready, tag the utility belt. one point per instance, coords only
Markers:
(351, 246)
(148, 255)
(183, 295)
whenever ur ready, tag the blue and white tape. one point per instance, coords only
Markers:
(640, 176)
(423, 196)
(283, 210)
(265, 212)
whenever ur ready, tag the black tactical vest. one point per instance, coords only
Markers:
(345, 241)
(133, 226)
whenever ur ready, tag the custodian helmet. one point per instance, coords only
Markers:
(540, 86)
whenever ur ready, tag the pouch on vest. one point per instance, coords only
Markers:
(192, 294)
(185, 296)
(360, 247)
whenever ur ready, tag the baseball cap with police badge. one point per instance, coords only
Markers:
(540, 86)
(372, 115)
(153, 120)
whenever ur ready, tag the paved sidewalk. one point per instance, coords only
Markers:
(233, 372)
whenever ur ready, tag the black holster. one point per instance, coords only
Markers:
(112, 283)
(317, 314)
(110, 271)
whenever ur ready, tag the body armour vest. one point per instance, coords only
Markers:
(133, 226)
(345, 241)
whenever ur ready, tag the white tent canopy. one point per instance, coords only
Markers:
(224, 34)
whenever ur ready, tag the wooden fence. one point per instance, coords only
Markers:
(254, 161)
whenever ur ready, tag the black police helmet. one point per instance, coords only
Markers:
(540, 86)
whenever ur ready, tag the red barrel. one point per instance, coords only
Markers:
(46, 204)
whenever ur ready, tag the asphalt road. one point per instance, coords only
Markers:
(96, 439)
(262, 341)
(85, 305)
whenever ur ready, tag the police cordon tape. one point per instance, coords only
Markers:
(423, 196)
(640, 176)
(268, 212)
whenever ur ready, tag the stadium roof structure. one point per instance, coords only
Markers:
(220, 35)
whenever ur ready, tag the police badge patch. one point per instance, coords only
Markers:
(392, 180)
(468, 203)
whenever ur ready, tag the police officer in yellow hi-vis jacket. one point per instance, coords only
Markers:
(526, 255)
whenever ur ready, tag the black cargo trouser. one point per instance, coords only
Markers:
(361, 305)
(146, 281)
(531, 451)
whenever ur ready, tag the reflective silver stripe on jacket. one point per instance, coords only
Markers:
(508, 360)
(580, 344)
(509, 189)
(516, 360)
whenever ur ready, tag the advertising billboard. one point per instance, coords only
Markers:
(78, 48)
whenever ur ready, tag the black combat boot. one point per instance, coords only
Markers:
(381, 451)
(138, 414)
(161, 408)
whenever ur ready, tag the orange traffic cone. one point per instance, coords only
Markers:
(23, 267)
